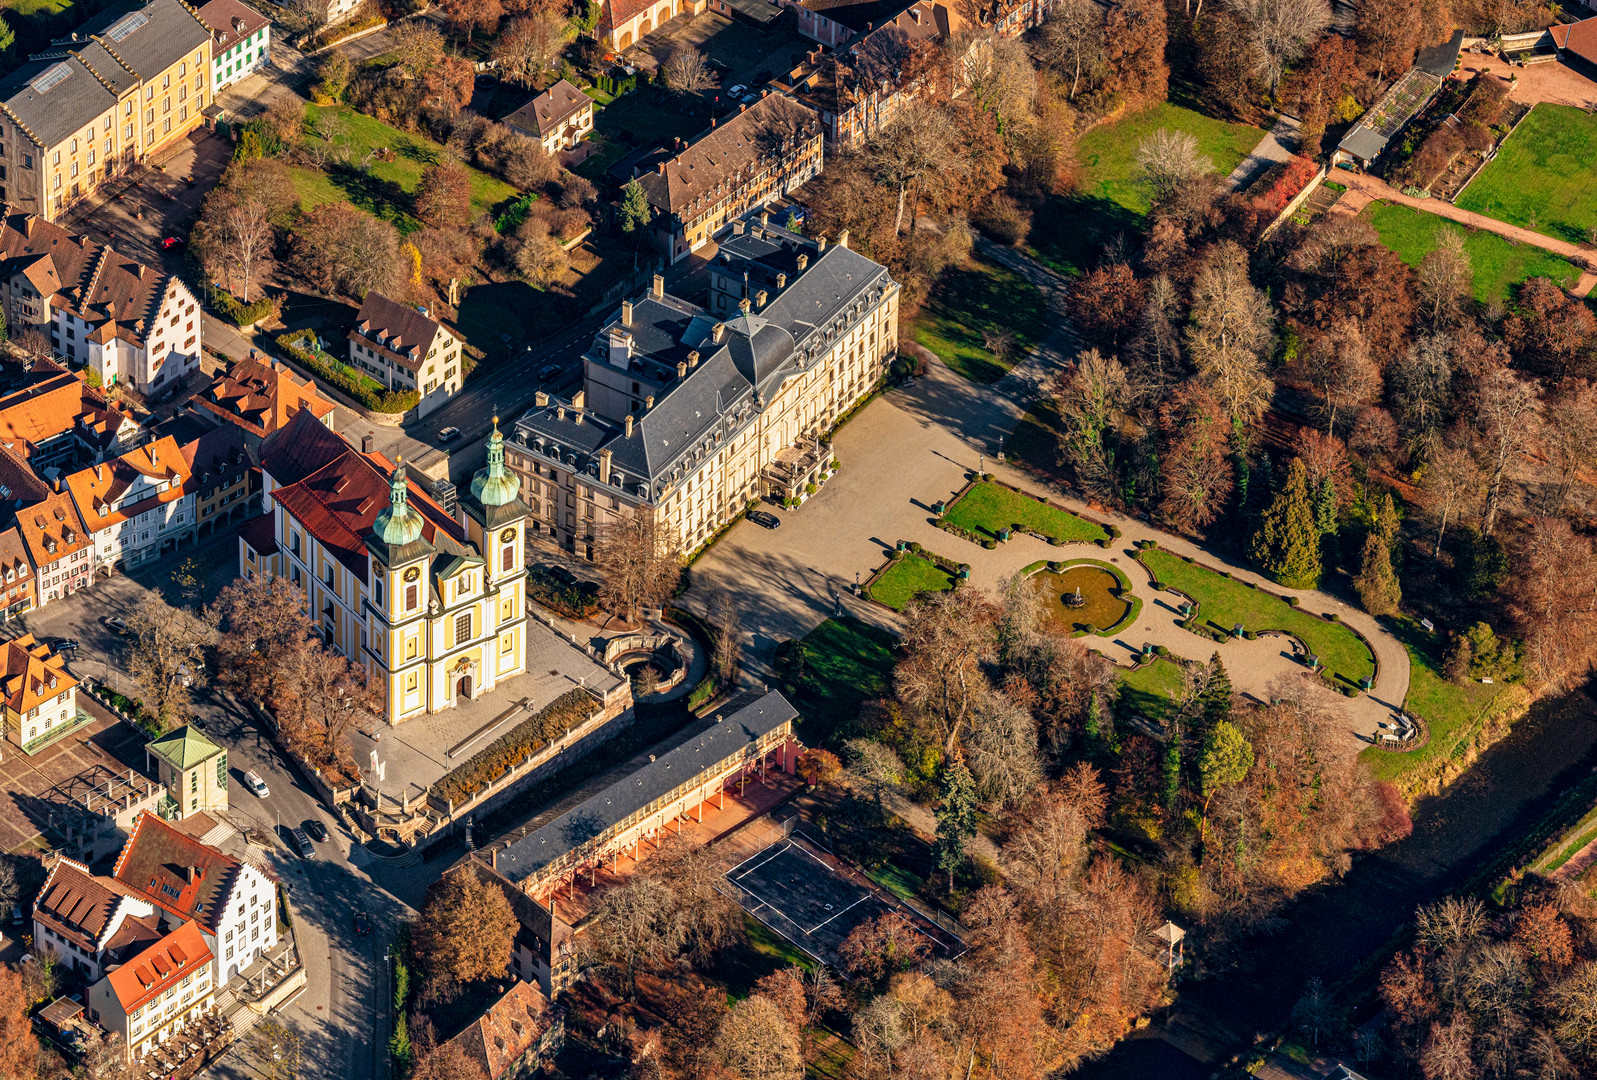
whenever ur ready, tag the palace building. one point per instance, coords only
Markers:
(690, 413)
(433, 606)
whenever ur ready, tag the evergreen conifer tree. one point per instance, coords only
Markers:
(956, 816)
(635, 209)
(1325, 507)
(399, 1047)
(1216, 697)
(1287, 545)
(1377, 583)
(1386, 521)
(1171, 769)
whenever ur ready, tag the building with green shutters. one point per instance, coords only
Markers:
(194, 770)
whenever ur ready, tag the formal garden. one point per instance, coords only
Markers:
(1541, 178)
(1498, 264)
(910, 573)
(1084, 596)
(989, 512)
(1225, 602)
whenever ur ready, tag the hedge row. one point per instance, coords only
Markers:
(239, 313)
(343, 378)
(515, 746)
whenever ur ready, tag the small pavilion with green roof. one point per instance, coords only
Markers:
(193, 768)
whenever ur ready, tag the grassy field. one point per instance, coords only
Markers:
(1541, 178)
(1453, 713)
(384, 188)
(988, 507)
(1223, 602)
(970, 302)
(1151, 689)
(1111, 197)
(908, 578)
(1498, 265)
(846, 662)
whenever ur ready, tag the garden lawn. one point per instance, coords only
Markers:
(384, 188)
(1568, 845)
(973, 300)
(846, 662)
(1544, 168)
(1151, 689)
(1108, 153)
(908, 578)
(1497, 265)
(1453, 713)
(988, 507)
(1223, 602)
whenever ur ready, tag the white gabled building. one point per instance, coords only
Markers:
(89, 923)
(232, 902)
(138, 505)
(132, 325)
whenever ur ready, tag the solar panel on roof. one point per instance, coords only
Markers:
(51, 78)
(124, 27)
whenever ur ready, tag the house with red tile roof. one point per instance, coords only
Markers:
(134, 325)
(158, 992)
(17, 577)
(60, 548)
(89, 923)
(224, 478)
(433, 607)
(514, 1034)
(137, 506)
(231, 902)
(258, 396)
(623, 23)
(62, 421)
(1576, 40)
(41, 699)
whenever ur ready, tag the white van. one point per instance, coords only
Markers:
(256, 784)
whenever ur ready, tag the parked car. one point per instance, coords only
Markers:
(448, 434)
(62, 644)
(253, 781)
(737, 91)
(16, 915)
(302, 844)
(363, 924)
(764, 520)
(116, 623)
(548, 371)
(318, 831)
(562, 575)
(173, 243)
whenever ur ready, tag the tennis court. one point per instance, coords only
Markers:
(815, 900)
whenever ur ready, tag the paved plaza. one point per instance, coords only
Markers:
(30, 786)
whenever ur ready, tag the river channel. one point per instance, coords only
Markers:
(1330, 930)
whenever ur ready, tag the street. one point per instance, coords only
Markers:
(344, 1014)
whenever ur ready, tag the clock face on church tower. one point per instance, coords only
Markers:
(413, 573)
(507, 536)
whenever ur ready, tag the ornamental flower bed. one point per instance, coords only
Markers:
(565, 712)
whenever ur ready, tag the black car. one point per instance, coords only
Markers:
(317, 831)
(363, 924)
(302, 843)
(764, 520)
(63, 644)
(116, 623)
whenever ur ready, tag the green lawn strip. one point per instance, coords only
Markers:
(1497, 264)
(969, 301)
(988, 507)
(1453, 713)
(899, 881)
(846, 662)
(1108, 152)
(761, 952)
(1223, 602)
(1152, 688)
(1542, 170)
(384, 188)
(907, 578)
(1568, 845)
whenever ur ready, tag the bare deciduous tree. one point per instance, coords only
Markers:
(688, 71)
(1452, 486)
(1169, 159)
(1072, 41)
(168, 658)
(1443, 281)
(911, 153)
(1569, 437)
(1001, 749)
(638, 564)
(757, 1042)
(1341, 371)
(530, 45)
(1281, 31)
(947, 638)
(278, 1050)
(1507, 418)
(1231, 333)
(632, 929)
(728, 640)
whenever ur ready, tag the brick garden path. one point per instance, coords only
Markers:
(1364, 189)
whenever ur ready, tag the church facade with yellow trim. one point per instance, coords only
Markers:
(433, 606)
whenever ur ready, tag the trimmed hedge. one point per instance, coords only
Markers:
(345, 378)
(239, 313)
(515, 746)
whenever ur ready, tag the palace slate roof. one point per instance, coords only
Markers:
(736, 146)
(400, 330)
